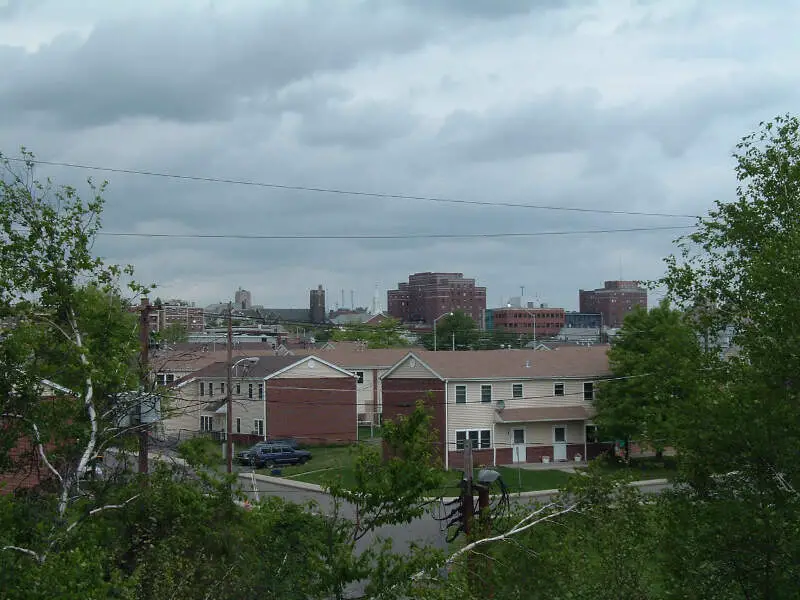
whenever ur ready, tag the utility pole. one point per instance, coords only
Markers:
(229, 414)
(468, 502)
(144, 359)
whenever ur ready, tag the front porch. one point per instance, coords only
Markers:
(553, 437)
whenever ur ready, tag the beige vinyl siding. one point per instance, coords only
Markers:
(305, 371)
(535, 393)
(406, 371)
(365, 397)
(182, 410)
(473, 414)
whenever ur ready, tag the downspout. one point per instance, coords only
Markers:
(494, 445)
(374, 394)
(266, 412)
(446, 431)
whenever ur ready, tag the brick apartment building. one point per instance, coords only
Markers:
(190, 317)
(427, 296)
(613, 301)
(546, 321)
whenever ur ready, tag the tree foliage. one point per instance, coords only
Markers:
(654, 361)
(386, 334)
(457, 329)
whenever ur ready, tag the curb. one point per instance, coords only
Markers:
(280, 481)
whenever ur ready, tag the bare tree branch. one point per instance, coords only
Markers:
(100, 509)
(39, 557)
(39, 445)
(518, 528)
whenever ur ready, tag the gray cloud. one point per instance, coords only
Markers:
(195, 68)
(634, 109)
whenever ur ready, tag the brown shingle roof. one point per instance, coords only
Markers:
(266, 365)
(349, 356)
(544, 413)
(575, 362)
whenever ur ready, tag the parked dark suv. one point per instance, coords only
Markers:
(277, 454)
(245, 455)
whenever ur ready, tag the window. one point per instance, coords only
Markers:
(486, 392)
(202, 389)
(516, 390)
(360, 376)
(238, 425)
(461, 394)
(161, 379)
(222, 388)
(558, 388)
(588, 391)
(206, 423)
(480, 438)
(238, 389)
(249, 390)
(258, 426)
(591, 434)
(170, 378)
(260, 391)
(210, 388)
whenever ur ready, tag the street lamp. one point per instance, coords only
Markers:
(250, 360)
(449, 314)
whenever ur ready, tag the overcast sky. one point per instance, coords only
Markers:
(632, 106)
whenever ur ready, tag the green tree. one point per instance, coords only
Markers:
(386, 334)
(457, 329)
(739, 270)
(654, 360)
(174, 333)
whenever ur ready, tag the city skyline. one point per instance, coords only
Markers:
(634, 110)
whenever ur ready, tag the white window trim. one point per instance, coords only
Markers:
(455, 393)
(491, 393)
(206, 419)
(238, 424)
(466, 432)
(563, 389)
(583, 390)
(522, 390)
(360, 377)
(258, 430)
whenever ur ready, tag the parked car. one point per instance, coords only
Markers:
(244, 456)
(278, 454)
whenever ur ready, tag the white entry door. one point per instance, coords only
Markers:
(559, 443)
(519, 446)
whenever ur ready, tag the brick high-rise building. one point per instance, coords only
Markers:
(192, 318)
(427, 296)
(614, 300)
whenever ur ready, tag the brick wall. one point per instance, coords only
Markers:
(400, 397)
(323, 414)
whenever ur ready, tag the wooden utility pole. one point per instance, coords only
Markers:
(144, 339)
(468, 498)
(229, 390)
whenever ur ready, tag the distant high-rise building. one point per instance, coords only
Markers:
(317, 305)
(176, 312)
(428, 296)
(613, 301)
(243, 299)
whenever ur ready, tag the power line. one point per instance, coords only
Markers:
(343, 192)
(389, 236)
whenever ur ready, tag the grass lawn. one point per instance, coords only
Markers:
(643, 467)
(336, 463)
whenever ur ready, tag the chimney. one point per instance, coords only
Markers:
(527, 364)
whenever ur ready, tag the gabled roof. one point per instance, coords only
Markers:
(412, 356)
(306, 359)
(568, 362)
(267, 367)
